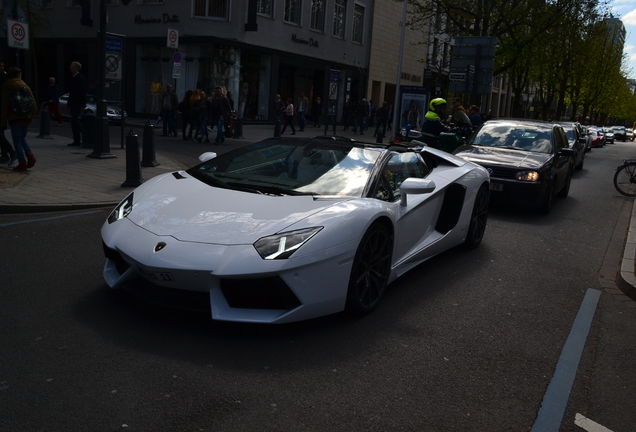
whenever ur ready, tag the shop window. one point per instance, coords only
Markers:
(211, 8)
(339, 18)
(292, 11)
(318, 15)
(264, 7)
(358, 23)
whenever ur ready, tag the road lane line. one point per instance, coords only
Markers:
(589, 425)
(556, 397)
(50, 218)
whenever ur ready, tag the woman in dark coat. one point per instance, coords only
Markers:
(316, 111)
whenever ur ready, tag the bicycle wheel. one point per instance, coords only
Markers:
(625, 179)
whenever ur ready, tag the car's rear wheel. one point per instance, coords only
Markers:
(370, 271)
(478, 218)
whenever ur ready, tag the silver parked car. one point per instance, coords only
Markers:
(113, 112)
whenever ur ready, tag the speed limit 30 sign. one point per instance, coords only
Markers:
(17, 35)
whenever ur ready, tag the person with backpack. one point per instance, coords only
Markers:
(18, 109)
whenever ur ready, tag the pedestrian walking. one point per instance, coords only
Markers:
(474, 116)
(7, 153)
(301, 110)
(54, 101)
(219, 111)
(169, 103)
(156, 90)
(362, 116)
(76, 101)
(382, 117)
(18, 109)
(289, 117)
(347, 112)
(185, 109)
(279, 108)
(195, 120)
(316, 111)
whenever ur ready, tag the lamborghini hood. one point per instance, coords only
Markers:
(190, 210)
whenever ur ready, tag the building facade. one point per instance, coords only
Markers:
(254, 48)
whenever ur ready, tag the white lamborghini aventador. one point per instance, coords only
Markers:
(288, 229)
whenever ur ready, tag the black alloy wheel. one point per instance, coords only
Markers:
(370, 271)
(478, 218)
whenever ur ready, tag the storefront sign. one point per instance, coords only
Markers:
(163, 20)
(311, 42)
(412, 78)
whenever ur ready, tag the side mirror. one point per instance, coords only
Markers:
(207, 156)
(415, 186)
(566, 151)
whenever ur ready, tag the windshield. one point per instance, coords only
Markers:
(528, 137)
(291, 167)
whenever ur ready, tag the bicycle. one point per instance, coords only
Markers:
(625, 178)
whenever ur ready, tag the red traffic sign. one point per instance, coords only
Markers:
(173, 39)
(176, 57)
(17, 34)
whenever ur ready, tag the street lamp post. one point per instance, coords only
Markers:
(102, 144)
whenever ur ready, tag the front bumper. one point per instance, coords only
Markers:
(234, 282)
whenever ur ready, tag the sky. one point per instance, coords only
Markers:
(626, 11)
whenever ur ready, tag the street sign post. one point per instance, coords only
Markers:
(114, 57)
(18, 35)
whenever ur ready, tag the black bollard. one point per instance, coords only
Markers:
(148, 151)
(238, 128)
(133, 168)
(45, 122)
(277, 128)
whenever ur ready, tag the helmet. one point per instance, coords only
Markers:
(436, 102)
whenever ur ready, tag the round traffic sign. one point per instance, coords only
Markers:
(18, 31)
(176, 57)
(172, 36)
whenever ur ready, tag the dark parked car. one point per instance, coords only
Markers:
(577, 140)
(620, 133)
(113, 112)
(530, 162)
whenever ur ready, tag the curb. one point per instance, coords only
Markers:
(627, 279)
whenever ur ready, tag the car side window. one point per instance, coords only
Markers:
(400, 167)
(560, 139)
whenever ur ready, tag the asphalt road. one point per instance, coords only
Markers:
(468, 341)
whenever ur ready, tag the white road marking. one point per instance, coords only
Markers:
(585, 423)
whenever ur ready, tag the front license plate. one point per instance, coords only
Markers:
(158, 276)
(496, 187)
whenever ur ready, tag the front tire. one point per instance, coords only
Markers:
(478, 218)
(548, 199)
(370, 271)
(625, 179)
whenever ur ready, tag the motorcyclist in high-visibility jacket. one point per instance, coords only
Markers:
(433, 124)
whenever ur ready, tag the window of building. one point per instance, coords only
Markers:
(264, 7)
(339, 16)
(112, 2)
(318, 15)
(142, 2)
(210, 8)
(358, 23)
(46, 4)
(292, 11)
